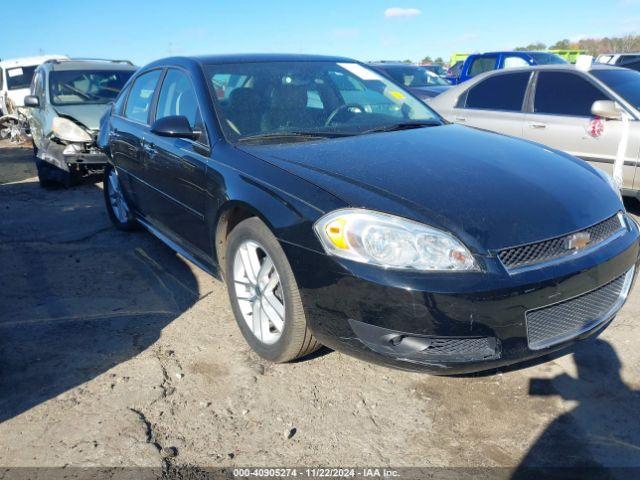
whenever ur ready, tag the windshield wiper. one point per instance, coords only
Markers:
(293, 134)
(404, 126)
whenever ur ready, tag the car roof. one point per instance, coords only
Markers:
(559, 66)
(513, 52)
(248, 58)
(82, 64)
(395, 64)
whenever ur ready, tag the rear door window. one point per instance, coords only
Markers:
(139, 101)
(501, 92)
(568, 94)
(481, 65)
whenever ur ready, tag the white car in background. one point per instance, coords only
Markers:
(619, 59)
(15, 81)
(593, 114)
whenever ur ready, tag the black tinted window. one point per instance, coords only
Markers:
(502, 92)
(481, 65)
(561, 93)
(139, 101)
(622, 61)
(625, 83)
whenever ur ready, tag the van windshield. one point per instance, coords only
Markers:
(74, 87)
(20, 77)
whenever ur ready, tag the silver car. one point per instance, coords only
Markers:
(67, 100)
(592, 114)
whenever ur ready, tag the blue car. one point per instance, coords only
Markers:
(484, 62)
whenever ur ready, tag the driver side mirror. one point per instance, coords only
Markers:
(31, 101)
(176, 126)
(606, 109)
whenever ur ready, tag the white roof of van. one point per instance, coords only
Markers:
(28, 61)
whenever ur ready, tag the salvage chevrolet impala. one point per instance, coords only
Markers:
(342, 211)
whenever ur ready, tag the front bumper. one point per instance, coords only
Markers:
(71, 158)
(389, 316)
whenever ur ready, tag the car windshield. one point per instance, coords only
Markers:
(625, 83)
(74, 87)
(547, 58)
(20, 77)
(414, 77)
(437, 69)
(310, 99)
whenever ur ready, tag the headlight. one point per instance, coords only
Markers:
(65, 129)
(391, 242)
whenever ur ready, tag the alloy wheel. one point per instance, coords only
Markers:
(259, 292)
(116, 198)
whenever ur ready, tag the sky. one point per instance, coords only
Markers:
(145, 30)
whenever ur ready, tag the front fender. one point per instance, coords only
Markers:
(248, 186)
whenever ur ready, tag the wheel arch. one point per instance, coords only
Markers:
(229, 215)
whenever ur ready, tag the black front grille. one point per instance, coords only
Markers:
(460, 349)
(559, 322)
(534, 253)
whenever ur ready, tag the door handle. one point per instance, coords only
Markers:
(538, 125)
(149, 149)
(460, 119)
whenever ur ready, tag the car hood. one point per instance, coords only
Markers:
(490, 190)
(430, 91)
(88, 115)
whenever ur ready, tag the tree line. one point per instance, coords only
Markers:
(593, 46)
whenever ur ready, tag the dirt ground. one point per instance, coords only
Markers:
(114, 351)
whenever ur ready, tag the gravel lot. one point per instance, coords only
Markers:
(114, 351)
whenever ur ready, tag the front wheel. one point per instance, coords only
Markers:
(264, 294)
(117, 207)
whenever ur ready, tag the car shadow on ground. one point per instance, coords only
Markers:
(78, 296)
(600, 432)
(16, 162)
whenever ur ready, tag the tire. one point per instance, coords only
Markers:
(45, 175)
(117, 207)
(295, 340)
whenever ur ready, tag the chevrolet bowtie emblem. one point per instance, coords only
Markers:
(577, 241)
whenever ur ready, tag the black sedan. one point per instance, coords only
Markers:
(342, 211)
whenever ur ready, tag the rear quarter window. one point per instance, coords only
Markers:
(120, 102)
